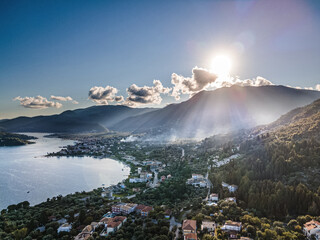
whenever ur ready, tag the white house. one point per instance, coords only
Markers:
(214, 197)
(208, 225)
(66, 227)
(311, 228)
(232, 226)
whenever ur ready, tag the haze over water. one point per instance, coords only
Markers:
(24, 168)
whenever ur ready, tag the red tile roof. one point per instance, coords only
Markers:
(189, 225)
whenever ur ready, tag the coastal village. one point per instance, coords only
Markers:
(205, 217)
(172, 192)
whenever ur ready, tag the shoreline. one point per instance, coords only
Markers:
(125, 165)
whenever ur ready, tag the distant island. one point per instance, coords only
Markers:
(13, 139)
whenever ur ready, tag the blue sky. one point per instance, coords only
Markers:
(64, 48)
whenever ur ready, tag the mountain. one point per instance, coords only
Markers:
(96, 118)
(220, 111)
(300, 123)
(206, 113)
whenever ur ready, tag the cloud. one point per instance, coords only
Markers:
(38, 102)
(64, 99)
(318, 87)
(255, 82)
(103, 95)
(119, 98)
(201, 78)
(146, 95)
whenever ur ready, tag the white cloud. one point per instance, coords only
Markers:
(146, 95)
(318, 87)
(103, 95)
(38, 102)
(201, 78)
(64, 99)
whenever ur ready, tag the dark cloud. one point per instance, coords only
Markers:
(200, 79)
(102, 95)
(146, 95)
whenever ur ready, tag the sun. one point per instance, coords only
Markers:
(221, 65)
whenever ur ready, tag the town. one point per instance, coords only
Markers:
(174, 191)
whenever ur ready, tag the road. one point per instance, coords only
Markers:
(155, 180)
(182, 152)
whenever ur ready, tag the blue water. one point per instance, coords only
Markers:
(24, 168)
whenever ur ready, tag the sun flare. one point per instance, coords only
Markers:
(221, 65)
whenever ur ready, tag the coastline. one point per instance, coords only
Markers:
(73, 192)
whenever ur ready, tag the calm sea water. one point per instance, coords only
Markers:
(25, 169)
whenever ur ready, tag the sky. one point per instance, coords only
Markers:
(60, 55)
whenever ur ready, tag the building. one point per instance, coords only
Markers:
(231, 199)
(191, 236)
(145, 211)
(66, 227)
(139, 170)
(137, 180)
(112, 224)
(311, 228)
(124, 208)
(231, 188)
(189, 226)
(116, 209)
(107, 193)
(163, 178)
(197, 180)
(232, 229)
(208, 226)
(85, 234)
(214, 197)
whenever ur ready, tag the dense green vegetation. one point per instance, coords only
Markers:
(13, 139)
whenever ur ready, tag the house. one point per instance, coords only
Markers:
(231, 199)
(139, 170)
(145, 211)
(116, 209)
(191, 236)
(197, 176)
(231, 188)
(209, 226)
(66, 227)
(124, 208)
(214, 197)
(85, 234)
(232, 228)
(189, 226)
(197, 180)
(107, 193)
(128, 208)
(112, 224)
(163, 178)
(311, 228)
(137, 180)
(139, 208)
(169, 176)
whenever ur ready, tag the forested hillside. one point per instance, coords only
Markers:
(279, 173)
